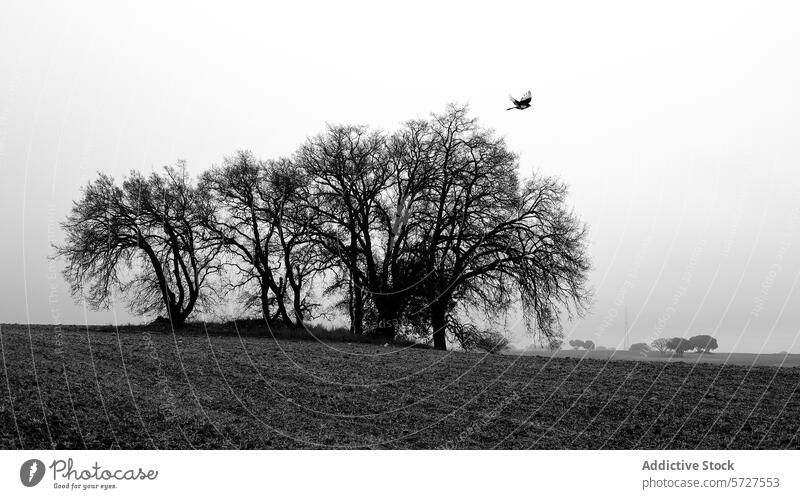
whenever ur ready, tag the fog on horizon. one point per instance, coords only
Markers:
(678, 134)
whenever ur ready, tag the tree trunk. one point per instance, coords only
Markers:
(265, 303)
(176, 316)
(385, 329)
(357, 321)
(387, 316)
(285, 315)
(298, 310)
(439, 323)
(356, 292)
(180, 321)
(350, 308)
(280, 293)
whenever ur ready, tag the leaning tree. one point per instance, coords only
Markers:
(141, 238)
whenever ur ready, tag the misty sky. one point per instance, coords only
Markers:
(675, 125)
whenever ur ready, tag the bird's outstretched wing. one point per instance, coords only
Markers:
(526, 98)
(515, 101)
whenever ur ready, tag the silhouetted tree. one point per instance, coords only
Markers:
(703, 343)
(639, 347)
(435, 215)
(420, 228)
(588, 345)
(660, 344)
(302, 259)
(485, 239)
(576, 344)
(242, 222)
(142, 238)
(680, 345)
(672, 343)
(259, 219)
(355, 196)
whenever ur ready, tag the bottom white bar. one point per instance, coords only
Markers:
(399, 473)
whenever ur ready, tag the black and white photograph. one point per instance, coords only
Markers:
(391, 248)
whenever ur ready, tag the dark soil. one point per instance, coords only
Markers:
(136, 390)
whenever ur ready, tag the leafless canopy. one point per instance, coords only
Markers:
(258, 218)
(435, 216)
(422, 227)
(143, 239)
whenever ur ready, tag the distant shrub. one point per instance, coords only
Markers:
(491, 342)
(639, 347)
(471, 337)
(404, 339)
(585, 344)
(576, 344)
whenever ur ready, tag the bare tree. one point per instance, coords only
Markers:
(490, 240)
(660, 344)
(301, 260)
(259, 220)
(142, 238)
(350, 198)
(434, 217)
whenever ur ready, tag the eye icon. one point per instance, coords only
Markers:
(31, 472)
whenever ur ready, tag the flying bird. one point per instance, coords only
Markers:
(523, 103)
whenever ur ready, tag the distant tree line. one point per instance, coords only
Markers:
(701, 343)
(413, 231)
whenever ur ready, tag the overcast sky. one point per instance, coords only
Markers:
(675, 125)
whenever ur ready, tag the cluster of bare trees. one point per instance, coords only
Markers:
(414, 231)
(259, 215)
